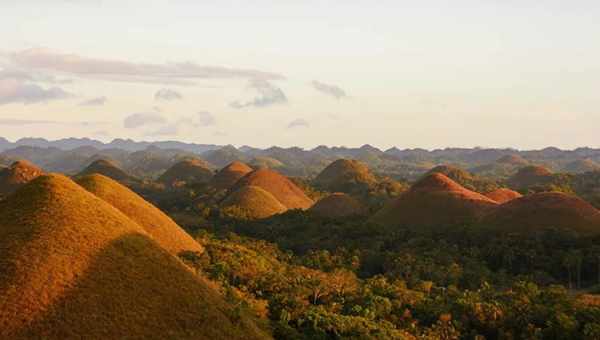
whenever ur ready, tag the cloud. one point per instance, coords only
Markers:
(49, 60)
(268, 95)
(206, 119)
(21, 75)
(94, 102)
(17, 91)
(330, 90)
(141, 119)
(24, 122)
(167, 95)
(166, 130)
(298, 123)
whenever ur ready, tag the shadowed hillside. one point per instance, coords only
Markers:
(545, 210)
(187, 172)
(338, 205)
(16, 175)
(85, 270)
(229, 175)
(106, 168)
(346, 175)
(503, 195)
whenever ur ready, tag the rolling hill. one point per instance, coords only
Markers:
(284, 190)
(346, 175)
(435, 201)
(229, 175)
(188, 171)
(106, 168)
(160, 226)
(338, 205)
(503, 195)
(16, 175)
(73, 266)
(252, 202)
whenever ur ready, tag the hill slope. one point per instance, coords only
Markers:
(338, 205)
(284, 190)
(503, 195)
(107, 168)
(187, 172)
(545, 210)
(435, 201)
(73, 266)
(346, 175)
(16, 175)
(156, 223)
(229, 175)
(253, 203)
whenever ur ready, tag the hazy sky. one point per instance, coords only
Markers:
(432, 73)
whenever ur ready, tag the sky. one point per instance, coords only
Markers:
(430, 74)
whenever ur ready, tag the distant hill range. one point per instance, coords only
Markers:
(150, 159)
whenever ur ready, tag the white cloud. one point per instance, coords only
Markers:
(167, 95)
(330, 90)
(206, 119)
(268, 94)
(17, 91)
(49, 60)
(142, 119)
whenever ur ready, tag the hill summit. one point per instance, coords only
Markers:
(338, 205)
(252, 202)
(16, 175)
(435, 200)
(187, 172)
(107, 168)
(74, 266)
(284, 190)
(229, 175)
(346, 175)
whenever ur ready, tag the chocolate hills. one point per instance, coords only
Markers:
(188, 171)
(16, 175)
(160, 226)
(545, 210)
(346, 175)
(73, 266)
(284, 190)
(265, 162)
(503, 195)
(338, 205)
(435, 200)
(229, 175)
(530, 176)
(252, 202)
(106, 168)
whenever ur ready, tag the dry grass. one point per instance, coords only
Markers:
(229, 175)
(73, 266)
(284, 190)
(338, 205)
(528, 176)
(187, 171)
(18, 174)
(253, 202)
(156, 223)
(344, 172)
(107, 168)
(435, 200)
(545, 210)
(503, 195)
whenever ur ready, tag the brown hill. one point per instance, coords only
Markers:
(252, 202)
(284, 190)
(544, 210)
(107, 168)
(503, 195)
(16, 175)
(338, 205)
(346, 175)
(229, 175)
(454, 173)
(187, 172)
(266, 162)
(530, 176)
(435, 200)
(160, 226)
(73, 266)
